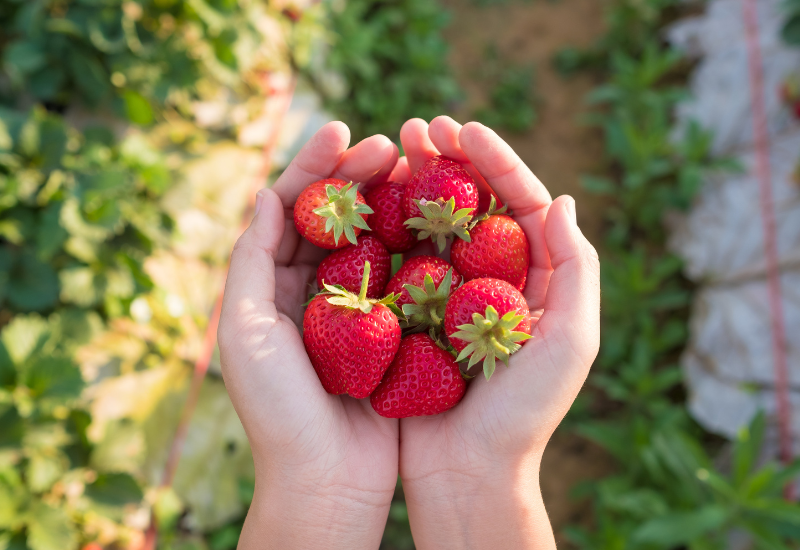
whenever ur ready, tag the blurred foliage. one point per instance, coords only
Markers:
(79, 214)
(668, 492)
(100, 116)
(512, 99)
(390, 60)
(791, 27)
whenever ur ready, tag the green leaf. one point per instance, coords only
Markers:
(46, 83)
(168, 509)
(72, 327)
(681, 527)
(598, 185)
(90, 77)
(32, 285)
(53, 377)
(12, 429)
(24, 335)
(747, 447)
(122, 449)
(80, 286)
(44, 469)
(8, 374)
(137, 108)
(12, 499)
(51, 529)
(791, 30)
(53, 142)
(25, 57)
(50, 236)
(114, 490)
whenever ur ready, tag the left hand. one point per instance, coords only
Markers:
(326, 465)
(470, 475)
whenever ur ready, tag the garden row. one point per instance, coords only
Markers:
(669, 490)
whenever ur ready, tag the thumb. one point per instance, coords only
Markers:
(250, 287)
(571, 318)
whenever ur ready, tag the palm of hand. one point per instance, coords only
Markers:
(514, 414)
(293, 425)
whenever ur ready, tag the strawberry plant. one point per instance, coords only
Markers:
(390, 58)
(100, 110)
(669, 491)
(512, 100)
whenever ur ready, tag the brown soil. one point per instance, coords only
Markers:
(558, 149)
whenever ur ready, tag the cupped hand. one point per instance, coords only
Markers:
(326, 466)
(472, 472)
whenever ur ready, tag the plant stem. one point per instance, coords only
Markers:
(364, 282)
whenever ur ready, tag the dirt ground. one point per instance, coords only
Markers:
(558, 149)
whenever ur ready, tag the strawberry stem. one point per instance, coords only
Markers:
(364, 282)
(434, 317)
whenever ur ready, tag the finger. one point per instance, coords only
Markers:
(315, 161)
(250, 286)
(509, 177)
(547, 373)
(517, 188)
(364, 160)
(401, 172)
(385, 172)
(416, 143)
(359, 163)
(443, 133)
(308, 253)
(571, 318)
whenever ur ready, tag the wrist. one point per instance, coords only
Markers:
(497, 508)
(308, 510)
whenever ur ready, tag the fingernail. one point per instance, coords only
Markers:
(259, 200)
(570, 206)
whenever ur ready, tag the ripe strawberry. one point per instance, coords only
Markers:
(440, 200)
(487, 319)
(413, 273)
(351, 340)
(423, 285)
(326, 209)
(344, 266)
(388, 219)
(423, 379)
(498, 249)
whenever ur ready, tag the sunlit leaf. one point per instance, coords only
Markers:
(50, 528)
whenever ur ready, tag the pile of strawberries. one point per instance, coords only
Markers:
(399, 339)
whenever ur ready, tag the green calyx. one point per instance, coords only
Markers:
(339, 296)
(493, 211)
(427, 311)
(490, 337)
(343, 213)
(441, 220)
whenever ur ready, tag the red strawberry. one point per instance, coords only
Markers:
(423, 379)
(326, 209)
(413, 273)
(388, 219)
(344, 266)
(440, 200)
(498, 248)
(351, 340)
(487, 319)
(423, 285)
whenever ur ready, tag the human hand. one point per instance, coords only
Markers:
(470, 475)
(326, 466)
